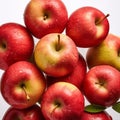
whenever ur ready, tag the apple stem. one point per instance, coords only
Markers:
(27, 96)
(58, 44)
(101, 20)
(56, 106)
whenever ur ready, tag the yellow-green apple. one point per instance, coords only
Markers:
(45, 16)
(102, 85)
(22, 84)
(87, 26)
(31, 113)
(105, 53)
(56, 54)
(16, 44)
(95, 116)
(62, 101)
(76, 77)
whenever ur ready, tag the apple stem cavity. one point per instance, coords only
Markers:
(24, 89)
(57, 104)
(3, 45)
(97, 22)
(101, 82)
(58, 44)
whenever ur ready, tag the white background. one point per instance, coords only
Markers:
(12, 11)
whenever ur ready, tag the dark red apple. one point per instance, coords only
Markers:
(95, 116)
(16, 44)
(102, 85)
(32, 113)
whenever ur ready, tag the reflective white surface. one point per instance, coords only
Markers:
(12, 11)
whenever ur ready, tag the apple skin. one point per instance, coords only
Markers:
(45, 16)
(95, 116)
(76, 77)
(107, 53)
(31, 113)
(62, 101)
(82, 26)
(55, 62)
(102, 85)
(22, 84)
(16, 44)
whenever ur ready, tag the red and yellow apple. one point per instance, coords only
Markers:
(107, 53)
(22, 85)
(42, 17)
(62, 101)
(87, 26)
(56, 54)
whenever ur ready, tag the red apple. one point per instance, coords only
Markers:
(45, 16)
(87, 26)
(102, 85)
(95, 116)
(22, 85)
(32, 113)
(56, 54)
(108, 52)
(76, 77)
(62, 101)
(16, 44)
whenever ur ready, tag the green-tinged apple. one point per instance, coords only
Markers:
(16, 44)
(56, 54)
(95, 116)
(31, 113)
(76, 77)
(108, 52)
(102, 85)
(87, 26)
(22, 84)
(62, 101)
(45, 16)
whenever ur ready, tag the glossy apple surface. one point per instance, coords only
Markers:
(76, 77)
(102, 85)
(95, 116)
(62, 101)
(16, 44)
(31, 113)
(87, 26)
(22, 84)
(45, 16)
(56, 54)
(105, 53)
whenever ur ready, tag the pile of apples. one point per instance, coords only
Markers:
(50, 79)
